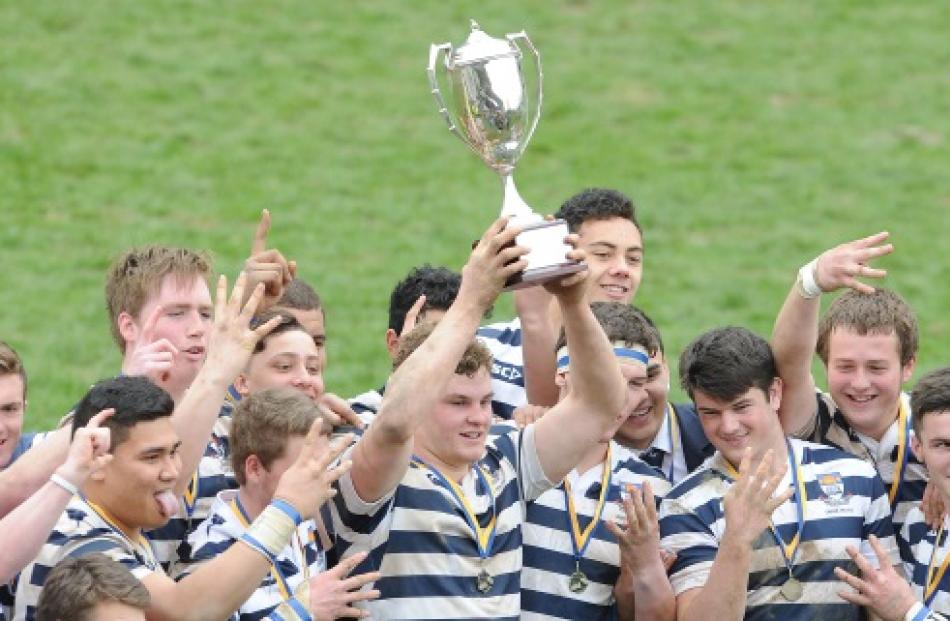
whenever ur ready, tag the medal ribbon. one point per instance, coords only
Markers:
(674, 433)
(932, 581)
(285, 591)
(580, 540)
(484, 537)
(800, 498)
(903, 437)
(140, 541)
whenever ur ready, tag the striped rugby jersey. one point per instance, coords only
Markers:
(225, 525)
(846, 504)
(79, 531)
(366, 404)
(830, 427)
(418, 536)
(214, 475)
(918, 554)
(503, 340)
(548, 550)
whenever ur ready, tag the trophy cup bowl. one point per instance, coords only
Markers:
(495, 114)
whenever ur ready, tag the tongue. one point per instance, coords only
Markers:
(167, 503)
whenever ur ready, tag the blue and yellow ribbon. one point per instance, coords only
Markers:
(933, 581)
(581, 539)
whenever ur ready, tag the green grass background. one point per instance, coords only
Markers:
(752, 135)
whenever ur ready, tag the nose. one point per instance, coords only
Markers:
(480, 414)
(619, 266)
(729, 423)
(196, 324)
(860, 379)
(171, 469)
(306, 381)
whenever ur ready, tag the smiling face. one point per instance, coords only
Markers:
(864, 378)
(614, 250)
(932, 447)
(640, 428)
(455, 432)
(12, 405)
(749, 420)
(289, 359)
(135, 486)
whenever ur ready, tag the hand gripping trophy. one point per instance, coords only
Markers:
(494, 115)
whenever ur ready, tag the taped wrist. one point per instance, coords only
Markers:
(807, 284)
(271, 531)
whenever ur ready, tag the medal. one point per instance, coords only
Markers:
(792, 590)
(577, 583)
(484, 581)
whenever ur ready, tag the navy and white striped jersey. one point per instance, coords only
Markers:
(366, 404)
(847, 503)
(921, 551)
(419, 537)
(830, 427)
(226, 524)
(549, 552)
(80, 531)
(503, 340)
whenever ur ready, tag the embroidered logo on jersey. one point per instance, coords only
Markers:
(833, 491)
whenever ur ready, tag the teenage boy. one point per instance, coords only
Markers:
(605, 221)
(438, 509)
(927, 553)
(92, 588)
(13, 442)
(867, 341)
(423, 295)
(267, 435)
(573, 565)
(135, 491)
(759, 529)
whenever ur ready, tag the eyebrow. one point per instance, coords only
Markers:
(150, 450)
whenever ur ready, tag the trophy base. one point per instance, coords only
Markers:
(547, 259)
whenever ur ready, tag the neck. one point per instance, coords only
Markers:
(877, 429)
(594, 457)
(454, 472)
(131, 532)
(252, 501)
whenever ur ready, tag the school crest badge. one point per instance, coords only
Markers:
(833, 492)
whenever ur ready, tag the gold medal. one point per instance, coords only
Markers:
(484, 581)
(792, 590)
(577, 583)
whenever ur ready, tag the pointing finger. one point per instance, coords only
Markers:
(98, 419)
(413, 314)
(260, 235)
(148, 330)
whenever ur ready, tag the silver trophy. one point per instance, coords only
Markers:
(495, 115)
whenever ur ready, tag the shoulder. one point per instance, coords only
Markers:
(830, 456)
(704, 486)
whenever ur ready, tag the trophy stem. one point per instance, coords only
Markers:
(513, 205)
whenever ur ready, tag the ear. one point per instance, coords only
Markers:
(775, 393)
(127, 327)
(908, 370)
(392, 342)
(917, 447)
(253, 468)
(240, 385)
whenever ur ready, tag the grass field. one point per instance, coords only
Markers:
(752, 135)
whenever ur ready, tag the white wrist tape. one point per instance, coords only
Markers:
(271, 532)
(806, 275)
(66, 485)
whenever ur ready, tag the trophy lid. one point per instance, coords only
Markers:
(481, 47)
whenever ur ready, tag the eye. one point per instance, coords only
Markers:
(175, 313)
(206, 314)
(312, 370)
(635, 260)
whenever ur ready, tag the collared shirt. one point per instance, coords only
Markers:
(847, 503)
(674, 457)
(549, 552)
(923, 551)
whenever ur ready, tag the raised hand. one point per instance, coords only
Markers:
(494, 259)
(842, 265)
(337, 411)
(308, 483)
(570, 289)
(526, 414)
(749, 503)
(412, 315)
(152, 358)
(232, 339)
(89, 451)
(882, 590)
(332, 594)
(267, 267)
(639, 538)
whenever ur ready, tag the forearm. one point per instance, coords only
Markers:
(723, 597)
(25, 529)
(194, 419)
(33, 469)
(645, 594)
(539, 336)
(793, 343)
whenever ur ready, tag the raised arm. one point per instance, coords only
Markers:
(540, 324)
(32, 470)
(381, 457)
(232, 341)
(25, 529)
(598, 391)
(796, 328)
(267, 266)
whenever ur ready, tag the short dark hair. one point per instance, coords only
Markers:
(726, 362)
(621, 322)
(75, 587)
(287, 323)
(597, 204)
(440, 285)
(299, 295)
(135, 400)
(881, 312)
(931, 395)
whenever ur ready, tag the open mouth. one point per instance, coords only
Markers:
(615, 291)
(472, 435)
(195, 353)
(167, 503)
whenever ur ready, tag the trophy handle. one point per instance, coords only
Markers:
(434, 51)
(523, 36)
